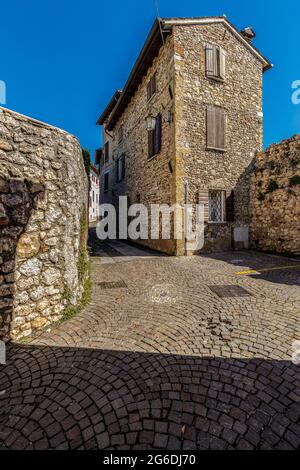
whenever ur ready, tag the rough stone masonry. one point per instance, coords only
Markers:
(274, 201)
(43, 223)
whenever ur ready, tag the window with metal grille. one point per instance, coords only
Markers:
(216, 205)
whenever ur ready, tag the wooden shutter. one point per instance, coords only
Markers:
(149, 91)
(106, 151)
(230, 206)
(157, 135)
(151, 87)
(123, 167)
(220, 123)
(211, 62)
(106, 176)
(154, 84)
(150, 144)
(203, 199)
(222, 61)
(211, 127)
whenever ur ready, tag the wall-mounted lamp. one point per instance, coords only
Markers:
(150, 123)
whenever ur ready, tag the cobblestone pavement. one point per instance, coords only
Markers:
(160, 359)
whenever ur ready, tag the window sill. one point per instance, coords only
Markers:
(215, 79)
(151, 97)
(215, 149)
(153, 157)
(217, 223)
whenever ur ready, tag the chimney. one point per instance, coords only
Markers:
(248, 33)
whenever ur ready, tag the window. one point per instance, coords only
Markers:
(230, 209)
(215, 62)
(154, 138)
(151, 87)
(106, 182)
(216, 206)
(215, 128)
(120, 134)
(121, 168)
(106, 152)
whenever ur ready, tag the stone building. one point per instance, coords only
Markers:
(199, 81)
(94, 194)
(275, 198)
(43, 224)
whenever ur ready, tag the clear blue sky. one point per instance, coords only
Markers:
(62, 60)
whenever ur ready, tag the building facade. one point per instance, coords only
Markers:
(200, 83)
(94, 194)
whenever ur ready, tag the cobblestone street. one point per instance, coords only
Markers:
(163, 359)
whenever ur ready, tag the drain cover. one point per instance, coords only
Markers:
(112, 285)
(229, 291)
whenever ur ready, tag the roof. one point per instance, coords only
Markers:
(159, 31)
(109, 107)
(94, 169)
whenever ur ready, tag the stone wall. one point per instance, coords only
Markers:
(275, 199)
(43, 223)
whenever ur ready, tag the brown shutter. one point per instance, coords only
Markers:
(211, 127)
(106, 151)
(210, 53)
(203, 199)
(150, 144)
(230, 206)
(222, 60)
(123, 167)
(149, 91)
(220, 123)
(154, 84)
(157, 135)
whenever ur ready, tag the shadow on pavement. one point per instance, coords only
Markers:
(76, 398)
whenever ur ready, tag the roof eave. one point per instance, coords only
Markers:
(155, 30)
(112, 103)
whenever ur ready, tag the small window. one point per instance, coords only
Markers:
(106, 152)
(106, 182)
(154, 138)
(151, 87)
(216, 128)
(215, 62)
(120, 135)
(216, 206)
(121, 168)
